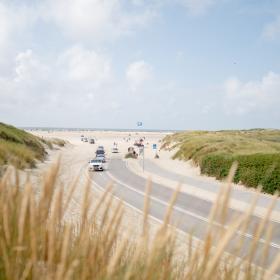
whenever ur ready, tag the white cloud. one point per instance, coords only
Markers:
(95, 19)
(242, 98)
(82, 65)
(72, 80)
(29, 84)
(197, 7)
(28, 68)
(138, 73)
(13, 20)
(272, 30)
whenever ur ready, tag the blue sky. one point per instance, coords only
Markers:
(182, 64)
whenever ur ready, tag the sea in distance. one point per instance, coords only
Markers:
(97, 129)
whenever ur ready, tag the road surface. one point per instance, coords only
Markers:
(190, 212)
(238, 194)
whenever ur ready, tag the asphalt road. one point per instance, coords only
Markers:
(241, 195)
(190, 212)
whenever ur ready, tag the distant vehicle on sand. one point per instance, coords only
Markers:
(101, 157)
(96, 165)
(100, 151)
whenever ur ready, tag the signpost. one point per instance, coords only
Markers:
(142, 147)
(142, 152)
(155, 149)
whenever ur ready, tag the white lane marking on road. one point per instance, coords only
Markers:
(209, 199)
(179, 209)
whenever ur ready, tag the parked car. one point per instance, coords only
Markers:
(91, 141)
(115, 150)
(100, 152)
(85, 139)
(96, 165)
(101, 157)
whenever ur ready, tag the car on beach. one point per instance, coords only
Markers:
(91, 141)
(115, 150)
(101, 157)
(85, 139)
(96, 165)
(100, 151)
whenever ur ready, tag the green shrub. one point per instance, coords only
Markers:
(58, 142)
(130, 155)
(253, 170)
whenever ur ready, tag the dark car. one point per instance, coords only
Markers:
(101, 157)
(99, 152)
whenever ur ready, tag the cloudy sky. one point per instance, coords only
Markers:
(172, 64)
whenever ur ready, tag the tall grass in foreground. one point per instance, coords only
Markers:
(38, 242)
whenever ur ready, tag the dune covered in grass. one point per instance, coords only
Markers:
(22, 149)
(37, 241)
(257, 152)
(19, 148)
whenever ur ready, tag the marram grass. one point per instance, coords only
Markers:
(37, 241)
(257, 152)
(22, 149)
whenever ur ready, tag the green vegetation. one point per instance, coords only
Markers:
(22, 149)
(257, 152)
(50, 142)
(19, 148)
(58, 142)
(37, 241)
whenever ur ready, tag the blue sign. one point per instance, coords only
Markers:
(154, 146)
(139, 123)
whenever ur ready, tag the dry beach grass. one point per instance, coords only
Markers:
(37, 242)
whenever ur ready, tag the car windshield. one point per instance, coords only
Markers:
(96, 161)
